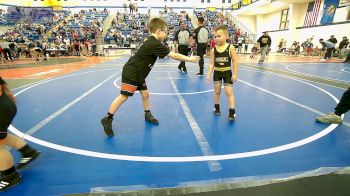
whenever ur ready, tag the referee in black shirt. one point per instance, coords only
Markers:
(182, 37)
(201, 36)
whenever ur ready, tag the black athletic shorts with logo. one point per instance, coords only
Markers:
(223, 76)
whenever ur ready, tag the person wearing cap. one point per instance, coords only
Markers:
(342, 47)
(329, 46)
(265, 44)
(334, 41)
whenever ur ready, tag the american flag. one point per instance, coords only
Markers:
(312, 13)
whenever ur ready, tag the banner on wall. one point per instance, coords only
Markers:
(312, 13)
(246, 2)
(235, 6)
(56, 7)
(211, 9)
(329, 8)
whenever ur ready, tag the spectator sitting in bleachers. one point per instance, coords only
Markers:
(37, 51)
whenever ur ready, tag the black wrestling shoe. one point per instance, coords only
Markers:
(107, 126)
(9, 181)
(27, 159)
(232, 115)
(149, 118)
(179, 68)
(217, 110)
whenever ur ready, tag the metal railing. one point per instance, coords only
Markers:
(241, 26)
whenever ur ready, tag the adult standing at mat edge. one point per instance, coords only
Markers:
(202, 37)
(182, 38)
(265, 44)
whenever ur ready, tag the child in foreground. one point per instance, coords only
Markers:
(223, 61)
(137, 69)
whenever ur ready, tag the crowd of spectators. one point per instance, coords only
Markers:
(311, 47)
(76, 34)
(127, 29)
(68, 34)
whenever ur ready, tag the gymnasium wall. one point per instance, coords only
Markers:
(340, 15)
(249, 22)
(338, 30)
(325, 32)
(270, 22)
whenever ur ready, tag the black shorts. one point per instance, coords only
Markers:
(4, 125)
(128, 87)
(8, 111)
(223, 76)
